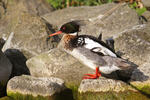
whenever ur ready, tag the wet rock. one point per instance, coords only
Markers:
(33, 88)
(108, 19)
(107, 89)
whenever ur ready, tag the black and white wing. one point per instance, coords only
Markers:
(96, 47)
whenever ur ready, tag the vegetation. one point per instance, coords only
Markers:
(140, 11)
(59, 4)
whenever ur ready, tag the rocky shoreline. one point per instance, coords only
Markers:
(34, 67)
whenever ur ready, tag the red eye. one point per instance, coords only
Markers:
(64, 28)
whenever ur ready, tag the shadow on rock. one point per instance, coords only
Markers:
(53, 40)
(18, 61)
(67, 94)
(132, 73)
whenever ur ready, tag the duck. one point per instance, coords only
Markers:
(90, 51)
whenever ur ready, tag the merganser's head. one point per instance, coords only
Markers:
(70, 28)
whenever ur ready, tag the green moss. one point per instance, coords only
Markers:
(18, 96)
(144, 88)
(6, 98)
(74, 88)
(128, 95)
(64, 95)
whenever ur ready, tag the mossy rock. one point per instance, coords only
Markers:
(126, 95)
(6, 98)
(142, 86)
(64, 95)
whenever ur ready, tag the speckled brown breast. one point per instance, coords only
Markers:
(68, 45)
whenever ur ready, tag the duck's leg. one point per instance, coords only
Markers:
(93, 76)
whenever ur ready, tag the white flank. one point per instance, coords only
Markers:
(90, 44)
(83, 59)
(108, 69)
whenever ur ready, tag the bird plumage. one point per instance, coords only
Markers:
(91, 51)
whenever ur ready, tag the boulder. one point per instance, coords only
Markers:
(59, 64)
(28, 87)
(18, 61)
(134, 43)
(5, 72)
(107, 89)
(108, 19)
(30, 31)
(5, 68)
(39, 7)
(30, 34)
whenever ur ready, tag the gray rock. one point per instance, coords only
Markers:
(146, 3)
(146, 14)
(59, 64)
(135, 44)
(30, 34)
(39, 7)
(2, 10)
(2, 7)
(108, 19)
(29, 85)
(30, 31)
(108, 89)
(104, 85)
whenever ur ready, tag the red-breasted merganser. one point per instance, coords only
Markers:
(90, 51)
